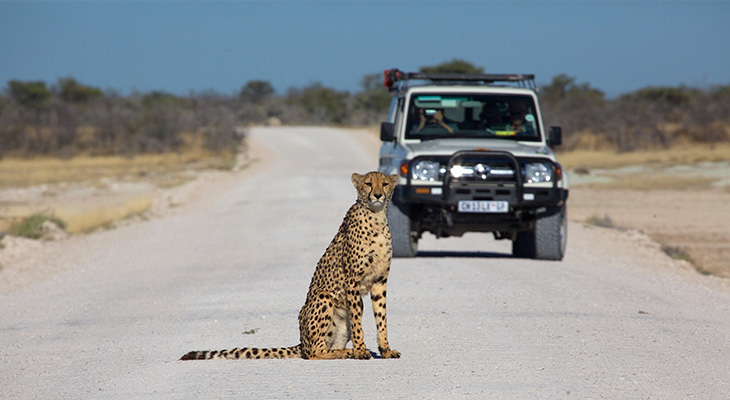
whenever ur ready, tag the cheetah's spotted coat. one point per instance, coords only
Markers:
(356, 262)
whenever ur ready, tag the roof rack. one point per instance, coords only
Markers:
(395, 79)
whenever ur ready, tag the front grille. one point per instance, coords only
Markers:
(483, 168)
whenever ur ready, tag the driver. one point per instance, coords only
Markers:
(433, 117)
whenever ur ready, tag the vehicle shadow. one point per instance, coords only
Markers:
(462, 254)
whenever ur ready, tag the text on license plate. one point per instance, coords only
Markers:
(483, 206)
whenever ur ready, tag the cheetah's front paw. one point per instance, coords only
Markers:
(390, 353)
(361, 354)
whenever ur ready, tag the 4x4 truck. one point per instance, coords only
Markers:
(473, 156)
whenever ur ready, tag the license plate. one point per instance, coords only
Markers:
(483, 206)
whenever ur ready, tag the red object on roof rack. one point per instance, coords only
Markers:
(392, 76)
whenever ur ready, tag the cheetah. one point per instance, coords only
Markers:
(356, 262)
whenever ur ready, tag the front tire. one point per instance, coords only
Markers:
(549, 238)
(405, 242)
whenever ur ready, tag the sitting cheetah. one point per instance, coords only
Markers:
(356, 262)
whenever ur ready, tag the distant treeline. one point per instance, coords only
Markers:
(70, 118)
(649, 118)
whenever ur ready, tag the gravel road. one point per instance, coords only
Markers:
(616, 319)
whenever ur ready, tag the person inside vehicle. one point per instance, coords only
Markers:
(433, 118)
(519, 118)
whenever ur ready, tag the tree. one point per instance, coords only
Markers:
(32, 94)
(70, 90)
(564, 87)
(256, 91)
(558, 88)
(670, 96)
(160, 98)
(321, 104)
(578, 108)
(456, 65)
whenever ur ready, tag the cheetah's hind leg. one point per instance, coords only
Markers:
(324, 329)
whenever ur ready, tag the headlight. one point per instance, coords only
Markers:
(425, 170)
(537, 172)
(457, 171)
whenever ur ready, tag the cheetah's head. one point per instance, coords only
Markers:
(374, 189)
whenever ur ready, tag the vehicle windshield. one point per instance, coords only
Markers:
(437, 116)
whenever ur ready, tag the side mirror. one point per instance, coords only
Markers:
(555, 136)
(387, 131)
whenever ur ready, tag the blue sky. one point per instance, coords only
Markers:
(181, 46)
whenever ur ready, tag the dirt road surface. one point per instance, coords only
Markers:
(616, 319)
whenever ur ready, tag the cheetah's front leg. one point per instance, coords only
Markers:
(377, 295)
(354, 303)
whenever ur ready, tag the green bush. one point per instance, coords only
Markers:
(31, 94)
(69, 89)
(32, 226)
(456, 66)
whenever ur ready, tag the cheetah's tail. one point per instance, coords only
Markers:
(250, 353)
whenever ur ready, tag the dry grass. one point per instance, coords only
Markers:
(82, 215)
(678, 168)
(81, 221)
(678, 155)
(78, 218)
(690, 225)
(682, 208)
(17, 172)
(646, 182)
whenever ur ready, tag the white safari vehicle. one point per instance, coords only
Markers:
(473, 156)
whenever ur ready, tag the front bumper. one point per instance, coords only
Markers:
(447, 193)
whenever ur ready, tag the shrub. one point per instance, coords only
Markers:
(70, 90)
(32, 94)
(32, 226)
(456, 66)
(603, 222)
(75, 118)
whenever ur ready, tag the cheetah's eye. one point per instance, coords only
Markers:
(385, 184)
(368, 184)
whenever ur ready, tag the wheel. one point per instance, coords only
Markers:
(405, 243)
(549, 238)
(551, 234)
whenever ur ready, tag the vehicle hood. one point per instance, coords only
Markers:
(450, 146)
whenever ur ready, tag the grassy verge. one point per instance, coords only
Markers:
(74, 218)
(678, 155)
(18, 172)
(98, 173)
(82, 221)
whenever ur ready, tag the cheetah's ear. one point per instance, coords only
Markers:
(356, 179)
(393, 179)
